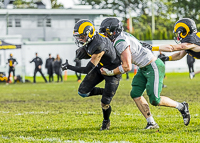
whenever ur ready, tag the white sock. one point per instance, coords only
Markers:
(179, 106)
(150, 120)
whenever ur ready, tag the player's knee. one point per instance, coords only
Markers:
(84, 94)
(105, 106)
(155, 102)
(133, 95)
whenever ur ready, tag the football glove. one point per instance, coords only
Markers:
(164, 58)
(82, 54)
(64, 66)
(146, 45)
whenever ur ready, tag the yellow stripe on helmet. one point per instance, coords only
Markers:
(182, 25)
(82, 27)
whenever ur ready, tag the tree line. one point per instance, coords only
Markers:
(166, 12)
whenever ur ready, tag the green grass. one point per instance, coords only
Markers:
(54, 112)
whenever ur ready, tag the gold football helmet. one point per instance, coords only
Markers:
(83, 29)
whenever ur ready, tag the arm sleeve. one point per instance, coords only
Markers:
(90, 66)
(121, 46)
(32, 61)
(41, 62)
(16, 61)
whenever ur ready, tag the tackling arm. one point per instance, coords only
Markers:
(177, 47)
(174, 57)
(178, 56)
(125, 67)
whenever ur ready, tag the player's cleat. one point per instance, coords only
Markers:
(105, 125)
(192, 74)
(185, 113)
(151, 126)
(79, 81)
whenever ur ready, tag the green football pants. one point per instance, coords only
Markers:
(150, 78)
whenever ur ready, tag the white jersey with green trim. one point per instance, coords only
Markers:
(141, 56)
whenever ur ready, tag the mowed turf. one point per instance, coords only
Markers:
(54, 112)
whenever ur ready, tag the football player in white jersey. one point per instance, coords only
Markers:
(149, 76)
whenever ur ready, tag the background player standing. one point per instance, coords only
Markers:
(11, 62)
(49, 67)
(38, 67)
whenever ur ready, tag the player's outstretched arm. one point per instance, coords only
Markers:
(174, 57)
(125, 67)
(177, 47)
(95, 59)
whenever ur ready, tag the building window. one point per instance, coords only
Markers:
(48, 22)
(10, 23)
(17, 22)
(40, 23)
(76, 20)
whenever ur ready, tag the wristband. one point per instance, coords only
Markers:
(121, 69)
(155, 48)
(170, 58)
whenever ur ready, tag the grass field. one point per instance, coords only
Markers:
(54, 112)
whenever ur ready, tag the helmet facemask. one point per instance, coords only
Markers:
(177, 37)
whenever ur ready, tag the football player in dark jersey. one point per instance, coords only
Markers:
(187, 38)
(102, 54)
(11, 62)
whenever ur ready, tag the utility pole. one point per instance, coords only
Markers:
(130, 22)
(7, 22)
(153, 19)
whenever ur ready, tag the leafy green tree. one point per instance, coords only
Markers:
(184, 8)
(165, 36)
(23, 4)
(55, 4)
(31, 4)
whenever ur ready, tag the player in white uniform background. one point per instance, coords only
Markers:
(149, 76)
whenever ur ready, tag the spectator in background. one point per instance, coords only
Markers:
(38, 67)
(49, 67)
(78, 64)
(161, 55)
(11, 62)
(57, 68)
(190, 62)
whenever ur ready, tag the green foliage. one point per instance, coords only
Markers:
(55, 4)
(54, 112)
(171, 35)
(23, 4)
(165, 36)
(31, 4)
